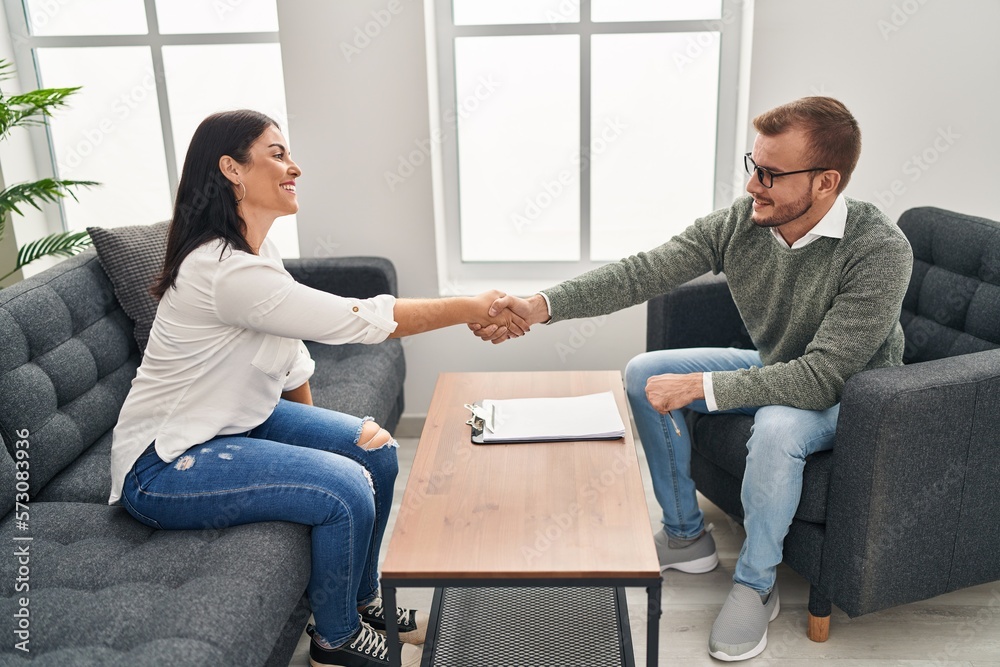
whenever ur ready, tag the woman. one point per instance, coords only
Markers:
(219, 428)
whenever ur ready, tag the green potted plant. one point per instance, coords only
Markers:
(26, 109)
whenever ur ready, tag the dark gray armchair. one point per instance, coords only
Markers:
(907, 504)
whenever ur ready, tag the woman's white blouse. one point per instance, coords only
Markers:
(226, 341)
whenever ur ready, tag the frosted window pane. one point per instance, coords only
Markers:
(202, 80)
(110, 133)
(655, 177)
(85, 17)
(202, 16)
(518, 141)
(504, 12)
(655, 10)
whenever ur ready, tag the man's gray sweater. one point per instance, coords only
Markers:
(817, 314)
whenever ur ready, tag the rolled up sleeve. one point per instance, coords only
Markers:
(257, 293)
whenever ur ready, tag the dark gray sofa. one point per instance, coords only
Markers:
(101, 588)
(907, 505)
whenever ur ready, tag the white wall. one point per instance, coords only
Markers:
(921, 77)
(352, 120)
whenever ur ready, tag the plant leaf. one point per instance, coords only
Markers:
(6, 69)
(46, 190)
(63, 244)
(31, 108)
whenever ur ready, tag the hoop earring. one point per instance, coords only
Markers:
(244, 193)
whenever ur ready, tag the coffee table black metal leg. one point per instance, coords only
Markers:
(391, 630)
(653, 613)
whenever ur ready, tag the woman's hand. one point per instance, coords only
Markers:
(524, 312)
(497, 327)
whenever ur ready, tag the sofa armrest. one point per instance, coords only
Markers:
(912, 507)
(358, 277)
(699, 313)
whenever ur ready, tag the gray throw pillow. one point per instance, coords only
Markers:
(132, 257)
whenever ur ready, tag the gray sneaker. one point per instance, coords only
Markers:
(695, 556)
(740, 631)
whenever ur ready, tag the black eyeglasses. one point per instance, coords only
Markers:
(766, 176)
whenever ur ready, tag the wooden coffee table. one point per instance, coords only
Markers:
(483, 523)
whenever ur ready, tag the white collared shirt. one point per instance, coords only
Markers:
(831, 225)
(226, 341)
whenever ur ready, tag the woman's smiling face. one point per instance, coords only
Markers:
(269, 177)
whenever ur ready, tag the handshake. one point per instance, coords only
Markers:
(499, 317)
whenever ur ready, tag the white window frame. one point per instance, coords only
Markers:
(29, 74)
(456, 276)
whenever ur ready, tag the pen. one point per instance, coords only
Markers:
(676, 428)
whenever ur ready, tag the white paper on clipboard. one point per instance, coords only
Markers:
(589, 417)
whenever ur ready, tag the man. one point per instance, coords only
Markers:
(819, 281)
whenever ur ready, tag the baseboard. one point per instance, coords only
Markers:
(410, 426)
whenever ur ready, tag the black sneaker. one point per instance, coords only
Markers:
(365, 648)
(412, 624)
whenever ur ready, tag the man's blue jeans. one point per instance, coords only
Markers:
(302, 465)
(782, 438)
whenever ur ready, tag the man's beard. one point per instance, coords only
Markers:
(785, 213)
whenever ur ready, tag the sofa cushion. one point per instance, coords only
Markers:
(7, 478)
(360, 380)
(106, 589)
(87, 479)
(953, 297)
(722, 439)
(132, 257)
(69, 364)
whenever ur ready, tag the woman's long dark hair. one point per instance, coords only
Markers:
(206, 205)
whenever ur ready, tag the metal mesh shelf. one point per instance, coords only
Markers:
(528, 627)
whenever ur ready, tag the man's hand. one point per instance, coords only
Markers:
(530, 311)
(669, 392)
(496, 324)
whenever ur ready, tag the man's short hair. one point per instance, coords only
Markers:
(834, 135)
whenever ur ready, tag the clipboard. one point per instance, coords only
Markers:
(477, 422)
(550, 419)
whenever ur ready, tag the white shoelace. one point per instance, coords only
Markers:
(370, 642)
(402, 615)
